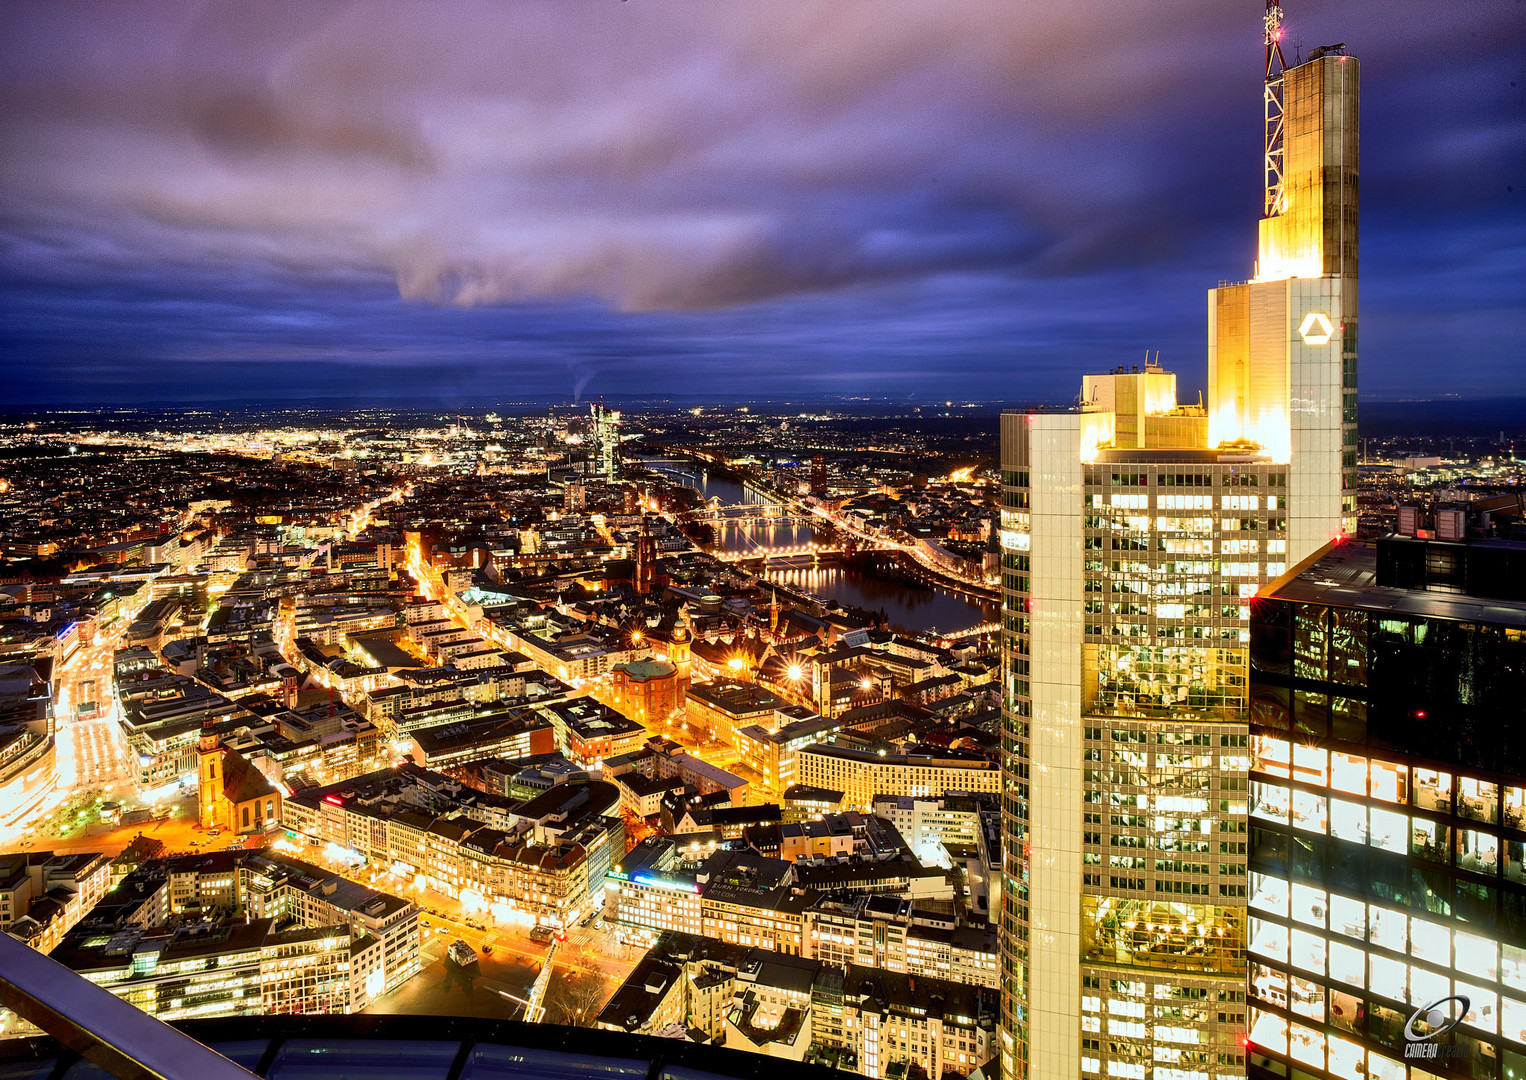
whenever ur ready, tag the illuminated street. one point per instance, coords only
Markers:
(589, 964)
(95, 754)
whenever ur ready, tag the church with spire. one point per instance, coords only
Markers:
(231, 793)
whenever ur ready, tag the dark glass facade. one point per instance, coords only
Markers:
(1387, 862)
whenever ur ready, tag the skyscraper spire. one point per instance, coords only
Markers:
(1275, 66)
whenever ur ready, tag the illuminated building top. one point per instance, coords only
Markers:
(1309, 226)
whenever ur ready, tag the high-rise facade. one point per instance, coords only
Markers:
(1135, 532)
(1387, 907)
(606, 441)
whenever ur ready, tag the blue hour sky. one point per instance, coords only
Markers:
(966, 198)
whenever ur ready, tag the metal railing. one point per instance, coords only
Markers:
(101, 1027)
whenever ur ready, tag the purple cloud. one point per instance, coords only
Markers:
(658, 158)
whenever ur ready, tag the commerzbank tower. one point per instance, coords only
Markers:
(1136, 531)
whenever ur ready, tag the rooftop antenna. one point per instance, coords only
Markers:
(1275, 66)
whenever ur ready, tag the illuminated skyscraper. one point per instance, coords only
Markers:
(606, 441)
(1282, 346)
(1135, 532)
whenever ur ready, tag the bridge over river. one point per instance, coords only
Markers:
(752, 527)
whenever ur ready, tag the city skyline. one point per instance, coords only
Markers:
(814, 537)
(202, 206)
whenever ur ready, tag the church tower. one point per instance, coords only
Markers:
(646, 558)
(209, 755)
(683, 639)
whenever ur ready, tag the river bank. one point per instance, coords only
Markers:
(907, 597)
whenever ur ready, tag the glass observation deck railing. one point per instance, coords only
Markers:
(93, 1034)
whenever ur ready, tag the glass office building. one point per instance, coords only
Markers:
(1387, 864)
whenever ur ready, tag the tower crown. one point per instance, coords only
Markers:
(1309, 211)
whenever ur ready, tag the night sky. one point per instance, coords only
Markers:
(920, 199)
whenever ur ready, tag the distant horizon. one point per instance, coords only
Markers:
(1445, 415)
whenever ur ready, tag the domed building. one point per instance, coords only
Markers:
(648, 690)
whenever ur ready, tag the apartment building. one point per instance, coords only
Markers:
(308, 940)
(589, 734)
(891, 1021)
(934, 825)
(547, 858)
(890, 933)
(737, 897)
(862, 774)
(43, 895)
(771, 753)
(227, 968)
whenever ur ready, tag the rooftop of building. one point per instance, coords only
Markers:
(637, 998)
(333, 889)
(384, 651)
(16, 864)
(590, 720)
(747, 878)
(1345, 574)
(646, 856)
(373, 786)
(694, 948)
(840, 873)
(779, 971)
(97, 950)
(571, 801)
(492, 727)
(737, 698)
(733, 815)
(646, 670)
(922, 996)
(927, 757)
(642, 785)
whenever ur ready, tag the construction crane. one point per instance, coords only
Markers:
(535, 1011)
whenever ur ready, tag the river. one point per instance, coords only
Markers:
(923, 610)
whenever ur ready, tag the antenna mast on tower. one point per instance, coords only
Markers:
(1275, 66)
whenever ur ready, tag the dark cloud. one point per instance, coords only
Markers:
(655, 193)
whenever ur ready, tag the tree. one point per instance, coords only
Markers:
(579, 1001)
